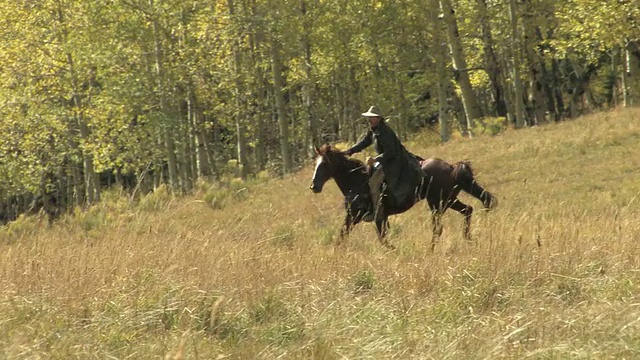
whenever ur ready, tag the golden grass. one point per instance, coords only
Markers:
(552, 273)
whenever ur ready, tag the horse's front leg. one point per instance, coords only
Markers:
(382, 227)
(346, 227)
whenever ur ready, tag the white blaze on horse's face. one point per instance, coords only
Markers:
(316, 184)
(319, 160)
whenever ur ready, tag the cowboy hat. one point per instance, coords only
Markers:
(372, 112)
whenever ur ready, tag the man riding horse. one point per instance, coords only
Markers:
(394, 165)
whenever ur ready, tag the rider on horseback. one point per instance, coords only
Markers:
(393, 164)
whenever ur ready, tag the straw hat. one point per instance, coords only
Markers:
(372, 112)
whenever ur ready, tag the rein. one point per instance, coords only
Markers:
(353, 189)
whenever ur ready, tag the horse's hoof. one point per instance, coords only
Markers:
(490, 204)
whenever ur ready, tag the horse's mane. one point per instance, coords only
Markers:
(336, 155)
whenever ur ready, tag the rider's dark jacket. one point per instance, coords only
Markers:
(401, 169)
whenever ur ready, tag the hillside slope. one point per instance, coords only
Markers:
(253, 271)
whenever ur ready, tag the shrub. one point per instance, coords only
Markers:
(363, 281)
(93, 218)
(220, 194)
(264, 175)
(490, 126)
(283, 236)
(20, 228)
(216, 198)
(158, 200)
(327, 235)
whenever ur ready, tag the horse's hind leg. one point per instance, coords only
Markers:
(436, 227)
(465, 210)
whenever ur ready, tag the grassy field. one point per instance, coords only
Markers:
(252, 271)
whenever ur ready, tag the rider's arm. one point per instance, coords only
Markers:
(366, 141)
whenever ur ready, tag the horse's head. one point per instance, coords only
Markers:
(326, 166)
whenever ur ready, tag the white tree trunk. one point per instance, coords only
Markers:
(631, 78)
(278, 88)
(241, 129)
(440, 56)
(536, 93)
(91, 181)
(169, 144)
(491, 62)
(517, 82)
(308, 93)
(469, 101)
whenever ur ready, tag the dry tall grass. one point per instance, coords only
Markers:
(552, 273)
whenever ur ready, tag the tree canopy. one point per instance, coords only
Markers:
(146, 92)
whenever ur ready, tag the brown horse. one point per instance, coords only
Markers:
(440, 186)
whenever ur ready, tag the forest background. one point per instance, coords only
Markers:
(146, 93)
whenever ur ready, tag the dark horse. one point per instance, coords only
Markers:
(440, 186)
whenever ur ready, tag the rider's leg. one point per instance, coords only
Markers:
(375, 184)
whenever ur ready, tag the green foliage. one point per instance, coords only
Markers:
(590, 27)
(284, 236)
(157, 200)
(91, 219)
(264, 175)
(221, 193)
(569, 291)
(327, 235)
(280, 322)
(21, 228)
(363, 281)
(267, 309)
(490, 126)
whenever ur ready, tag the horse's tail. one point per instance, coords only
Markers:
(463, 174)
